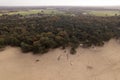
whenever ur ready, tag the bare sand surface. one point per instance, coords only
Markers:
(99, 63)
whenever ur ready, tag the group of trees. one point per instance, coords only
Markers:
(39, 34)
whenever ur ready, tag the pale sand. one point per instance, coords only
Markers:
(100, 63)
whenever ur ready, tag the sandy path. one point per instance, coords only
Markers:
(100, 63)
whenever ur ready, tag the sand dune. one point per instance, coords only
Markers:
(99, 63)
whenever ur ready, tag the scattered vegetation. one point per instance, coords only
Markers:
(29, 12)
(104, 13)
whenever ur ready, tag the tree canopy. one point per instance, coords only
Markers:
(39, 34)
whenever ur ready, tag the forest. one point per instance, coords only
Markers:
(40, 34)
